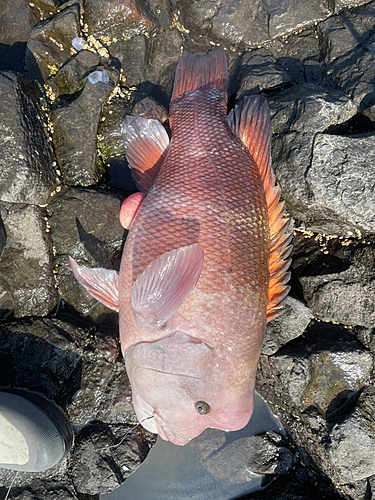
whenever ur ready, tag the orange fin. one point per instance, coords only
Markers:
(250, 121)
(146, 142)
(101, 283)
(194, 72)
(166, 283)
(130, 208)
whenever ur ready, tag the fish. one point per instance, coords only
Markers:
(205, 263)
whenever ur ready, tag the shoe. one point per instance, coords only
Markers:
(35, 434)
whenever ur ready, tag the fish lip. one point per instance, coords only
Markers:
(166, 433)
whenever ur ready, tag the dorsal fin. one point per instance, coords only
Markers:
(250, 121)
(194, 71)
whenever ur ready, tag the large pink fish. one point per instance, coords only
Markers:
(204, 266)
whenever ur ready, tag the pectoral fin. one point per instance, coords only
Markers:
(101, 283)
(146, 143)
(166, 283)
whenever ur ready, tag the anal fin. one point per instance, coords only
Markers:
(250, 121)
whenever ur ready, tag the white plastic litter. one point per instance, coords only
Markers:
(78, 43)
(98, 76)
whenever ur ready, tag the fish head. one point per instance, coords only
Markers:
(179, 389)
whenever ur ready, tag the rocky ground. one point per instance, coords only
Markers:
(70, 72)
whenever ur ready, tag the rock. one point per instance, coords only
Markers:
(39, 487)
(3, 237)
(328, 362)
(85, 225)
(27, 283)
(115, 19)
(344, 296)
(17, 20)
(336, 37)
(75, 125)
(297, 115)
(72, 76)
(258, 72)
(163, 54)
(240, 460)
(130, 56)
(28, 173)
(102, 459)
(352, 446)
(290, 325)
(299, 56)
(341, 178)
(50, 43)
(150, 108)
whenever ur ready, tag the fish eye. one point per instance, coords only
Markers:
(202, 407)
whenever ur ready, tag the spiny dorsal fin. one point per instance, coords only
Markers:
(250, 121)
(194, 71)
(146, 143)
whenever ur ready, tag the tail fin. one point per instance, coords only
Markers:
(194, 72)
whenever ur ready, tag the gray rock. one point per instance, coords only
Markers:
(72, 76)
(117, 19)
(85, 225)
(344, 297)
(258, 72)
(341, 179)
(27, 283)
(336, 37)
(297, 115)
(75, 127)
(352, 446)
(315, 374)
(50, 43)
(242, 459)
(102, 459)
(290, 325)
(3, 237)
(27, 173)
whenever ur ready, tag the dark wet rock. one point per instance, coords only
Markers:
(110, 143)
(352, 446)
(299, 56)
(117, 19)
(27, 283)
(342, 286)
(50, 43)
(75, 125)
(290, 325)
(163, 54)
(298, 114)
(3, 237)
(51, 6)
(328, 363)
(336, 37)
(85, 225)
(28, 173)
(104, 456)
(72, 76)
(258, 72)
(241, 459)
(316, 382)
(36, 486)
(130, 57)
(17, 20)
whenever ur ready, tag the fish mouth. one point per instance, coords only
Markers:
(156, 425)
